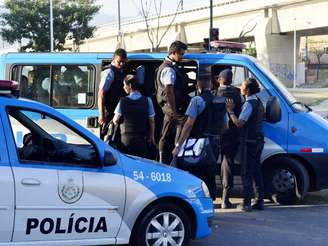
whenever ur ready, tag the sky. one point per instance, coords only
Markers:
(130, 8)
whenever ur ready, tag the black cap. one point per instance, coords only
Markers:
(226, 74)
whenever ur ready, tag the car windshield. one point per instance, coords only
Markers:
(282, 88)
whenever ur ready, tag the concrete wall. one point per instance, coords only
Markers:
(272, 24)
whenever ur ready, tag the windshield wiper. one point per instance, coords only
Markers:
(303, 104)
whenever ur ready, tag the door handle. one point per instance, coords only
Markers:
(30, 181)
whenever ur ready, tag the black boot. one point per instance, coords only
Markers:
(245, 206)
(258, 204)
(226, 204)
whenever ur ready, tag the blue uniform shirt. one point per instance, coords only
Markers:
(246, 109)
(197, 106)
(135, 96)
(168, 75)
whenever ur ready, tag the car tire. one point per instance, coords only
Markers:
(155, 226)
(286, 180)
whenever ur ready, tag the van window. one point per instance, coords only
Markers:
(61, 86)
(240, 73)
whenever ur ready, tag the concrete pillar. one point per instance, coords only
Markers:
(181, 33)
(275, 49)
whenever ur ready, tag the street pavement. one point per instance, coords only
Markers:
(301, 225)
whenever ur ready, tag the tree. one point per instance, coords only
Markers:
(151, 11)
(27, 22)
(317, 48)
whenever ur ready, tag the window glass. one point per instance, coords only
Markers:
(19, 131)
(39, 137)
(240, 73)
(70, 86)
(30, 78)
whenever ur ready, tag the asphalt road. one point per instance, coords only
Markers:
(297, 225)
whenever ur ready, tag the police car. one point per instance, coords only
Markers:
(62, 185)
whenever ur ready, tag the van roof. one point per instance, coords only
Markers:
(71, 57)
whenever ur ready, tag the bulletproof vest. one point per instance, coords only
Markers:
(135, 116)
(116, 91)
(182, 98)
(252, 129)
(211, 121)
(231, 134)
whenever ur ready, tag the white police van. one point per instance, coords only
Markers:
(61, 185)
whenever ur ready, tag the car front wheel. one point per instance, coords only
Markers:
(164, 224)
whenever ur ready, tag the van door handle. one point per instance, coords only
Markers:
(30, 181)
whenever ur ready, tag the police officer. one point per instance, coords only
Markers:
(136, 115)
(252, 142)
(111, 89)
(206, 118)
(230, 136)
(172, 96)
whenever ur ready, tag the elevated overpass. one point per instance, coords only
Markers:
(272, 24)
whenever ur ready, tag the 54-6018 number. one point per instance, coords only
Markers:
(154, 176)
(160, 177)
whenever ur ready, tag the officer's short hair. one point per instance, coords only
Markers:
(227, 75)
(121, 53)
(177, 46)
(132, 81)
(252, 85)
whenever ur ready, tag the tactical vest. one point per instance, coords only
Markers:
(116, 91)
(231, 134)
(135, 116)
(211, 121)
(182, 98)
(252, 130)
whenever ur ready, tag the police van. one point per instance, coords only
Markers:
(62, 185)
(295, 156)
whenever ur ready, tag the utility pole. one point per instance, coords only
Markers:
(51, 29)
(211, 14)
(295, 55)
(119, 23)
(211, 24)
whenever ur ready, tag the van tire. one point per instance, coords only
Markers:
(286, 180)
(157, 213)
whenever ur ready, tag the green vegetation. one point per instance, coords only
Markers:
(28, 23)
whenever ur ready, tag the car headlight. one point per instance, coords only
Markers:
(205, 190)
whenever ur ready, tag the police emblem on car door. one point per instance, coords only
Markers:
(70, 186)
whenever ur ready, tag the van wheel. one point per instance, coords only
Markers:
(286, 180)
(163, 224)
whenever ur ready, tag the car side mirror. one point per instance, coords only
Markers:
(109, 159)
(273, 110)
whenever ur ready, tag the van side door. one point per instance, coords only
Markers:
(7, 189)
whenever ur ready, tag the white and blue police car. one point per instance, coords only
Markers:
(61, 185)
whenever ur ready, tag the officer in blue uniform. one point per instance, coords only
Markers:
(230, 136)
(136, 116)
(206, 118)
(252, 142)
(172, 96)
(111, 89)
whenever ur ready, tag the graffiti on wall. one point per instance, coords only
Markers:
(284, 72)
